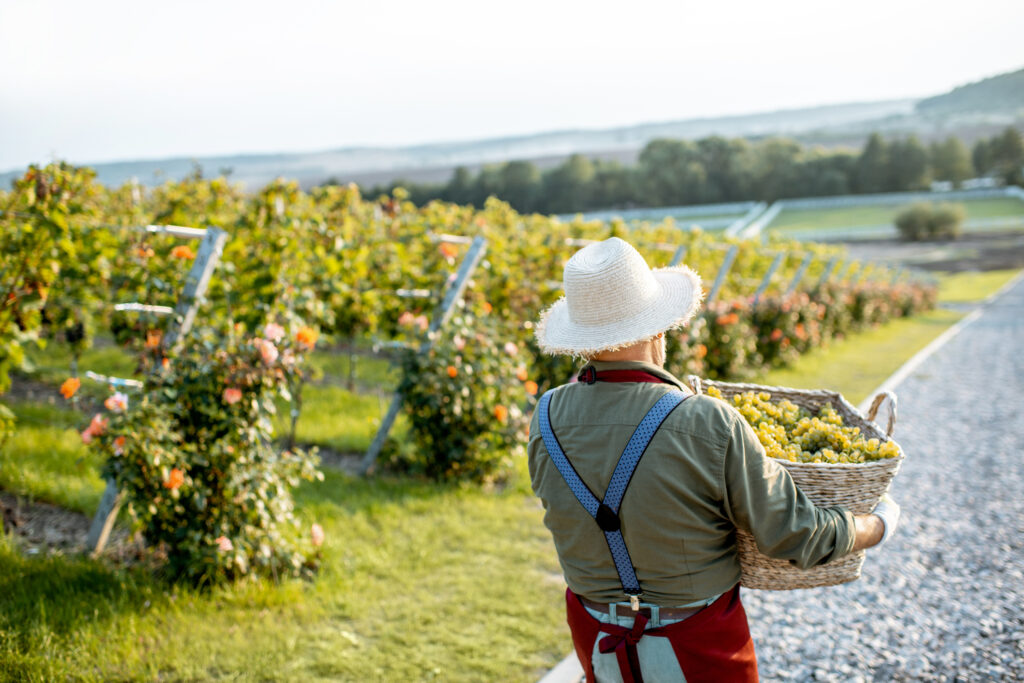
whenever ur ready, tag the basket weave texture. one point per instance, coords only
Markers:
(857, 487)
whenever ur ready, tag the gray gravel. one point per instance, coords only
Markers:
(944, 599)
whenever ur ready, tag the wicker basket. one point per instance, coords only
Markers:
(857, 487)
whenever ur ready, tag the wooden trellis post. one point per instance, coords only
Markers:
(441, 316)
(776, 262)
(185, 314)
(730, 256)
(827, 273)
(800, 272)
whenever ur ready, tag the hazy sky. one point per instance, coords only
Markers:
(100, 80)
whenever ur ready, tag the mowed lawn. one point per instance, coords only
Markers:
(794, 221)
(419, 581)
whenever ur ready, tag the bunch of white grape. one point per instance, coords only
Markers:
(789, 432)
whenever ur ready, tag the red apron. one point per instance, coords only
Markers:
(713, 645)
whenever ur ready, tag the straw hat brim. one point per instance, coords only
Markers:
(678, 298)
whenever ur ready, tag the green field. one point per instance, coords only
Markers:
(794, 221)
(420, 581)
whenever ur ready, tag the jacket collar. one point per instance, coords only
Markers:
(601, 365)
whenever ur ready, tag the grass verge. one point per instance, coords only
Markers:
(797, 220)
(967, 287)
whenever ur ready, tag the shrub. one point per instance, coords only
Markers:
(925, 221)
(195, 459)
(464, 398)
(946, 221)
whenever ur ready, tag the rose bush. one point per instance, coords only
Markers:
(195, 459)
(464, 399)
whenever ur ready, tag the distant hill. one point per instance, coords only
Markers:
(1000, 94)
(971, 111)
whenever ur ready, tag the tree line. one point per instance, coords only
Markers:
(715, 169)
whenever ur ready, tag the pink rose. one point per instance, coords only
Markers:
(406, 319)
(316, 533)
(422, 323)
(459, 342)
(511, 349)
(232, 395)
(224, 544)
(116, 403)
(273, 332)
(268, 352)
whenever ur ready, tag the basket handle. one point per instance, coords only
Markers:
(875, 404)
(695, 384)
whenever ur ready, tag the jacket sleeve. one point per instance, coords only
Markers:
(761, 498)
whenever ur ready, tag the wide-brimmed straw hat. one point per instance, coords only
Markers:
(614, 299)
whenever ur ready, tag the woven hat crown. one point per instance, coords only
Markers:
(613, 299)
(607, 281)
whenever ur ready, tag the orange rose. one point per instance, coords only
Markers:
(153, 338)
(449, 250)
(531, 387)
(487, 307)
(776, 334)
(699, 351)
(521, 374)
(183, 251)
(70, 386)
(232, 395)
(501, 413)
(119, 445)
(175, 479)
(452, 371)
(306, 337)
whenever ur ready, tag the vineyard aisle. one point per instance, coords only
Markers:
(942, 599)
(944, 596)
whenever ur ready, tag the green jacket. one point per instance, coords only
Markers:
(704, 475)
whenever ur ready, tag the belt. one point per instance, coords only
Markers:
(622, 609)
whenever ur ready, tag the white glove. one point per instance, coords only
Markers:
(889, 512)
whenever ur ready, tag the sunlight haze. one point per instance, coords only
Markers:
(111, 80)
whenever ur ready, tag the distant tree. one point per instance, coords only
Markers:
(825, 174)
(568, 187)
(1006, 152)
(727, 168)
(489, 183)
(459, 189)
(774, 169)
(950, 160)
(614, 185)
(907, 165)
(521, 185)
(871, 173)
(670, 172)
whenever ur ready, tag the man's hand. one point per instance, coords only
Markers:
(876, 528)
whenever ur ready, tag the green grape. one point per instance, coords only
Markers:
(789, 432)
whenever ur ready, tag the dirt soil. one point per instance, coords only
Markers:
(44, 528)
(976, 251)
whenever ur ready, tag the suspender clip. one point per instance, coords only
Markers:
(634, 602)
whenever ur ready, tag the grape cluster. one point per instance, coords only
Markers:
(789, 432)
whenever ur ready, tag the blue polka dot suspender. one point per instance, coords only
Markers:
(606, 512)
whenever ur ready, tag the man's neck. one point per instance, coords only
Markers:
(636, 353)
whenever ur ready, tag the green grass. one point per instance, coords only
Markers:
(798, 220)
(858, 364)
(338, 419)
(419, 582)
(46, 460)
(333, 368)
(973, 286)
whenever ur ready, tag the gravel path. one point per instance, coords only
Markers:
(944, 599)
